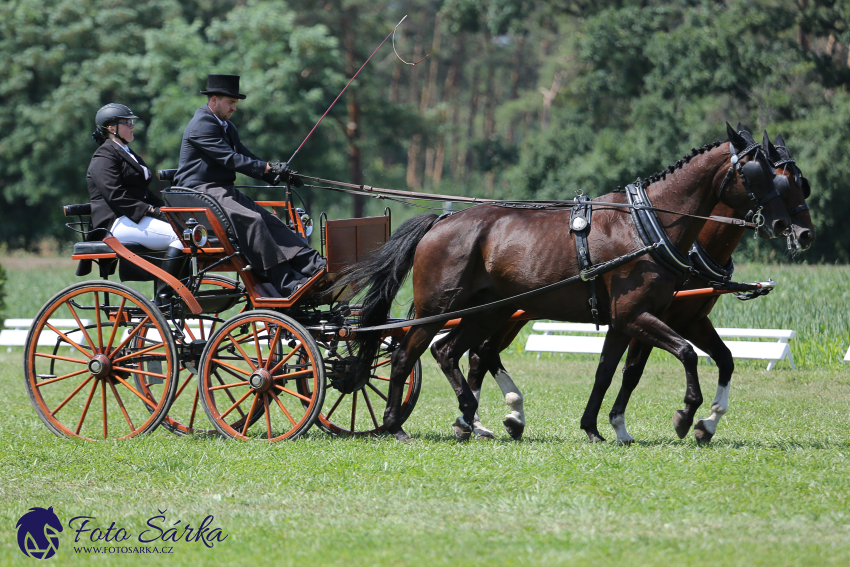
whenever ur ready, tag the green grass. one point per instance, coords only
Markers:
(772, 489)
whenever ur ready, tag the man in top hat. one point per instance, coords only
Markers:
(210, 155)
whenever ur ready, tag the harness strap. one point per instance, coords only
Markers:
(651, 231)
(580, 227)
(798, 209)
(707, 268)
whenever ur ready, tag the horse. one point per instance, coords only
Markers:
(717, 242)
(487, 253)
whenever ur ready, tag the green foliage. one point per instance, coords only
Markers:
(3, 279)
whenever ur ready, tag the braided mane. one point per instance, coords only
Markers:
(679, 164)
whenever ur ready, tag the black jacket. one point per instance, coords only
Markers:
(208, 154)
(117, 186)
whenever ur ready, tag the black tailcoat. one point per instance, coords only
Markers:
(117, 186)
(209, 160)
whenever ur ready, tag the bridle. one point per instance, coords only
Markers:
(752, 176)
(781, 182)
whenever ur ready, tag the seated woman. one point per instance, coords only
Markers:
(118, 180)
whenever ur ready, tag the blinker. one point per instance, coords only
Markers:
(753, 172)
(781, 183)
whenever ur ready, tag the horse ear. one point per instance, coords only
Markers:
(772, 153)
(734, 137)
(780, 141)
(740, 127)
(50, 509)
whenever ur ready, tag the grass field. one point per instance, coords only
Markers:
(772, 489)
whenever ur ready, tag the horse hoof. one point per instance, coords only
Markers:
(402, 437)
(514, 428)
(702, 435)
(487, 435)
(462, 430)
(595, 437)
(682, 423)
(624, 442)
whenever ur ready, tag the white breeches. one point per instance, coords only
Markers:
(149, 232)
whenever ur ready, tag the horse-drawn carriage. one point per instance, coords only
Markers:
(259, 364)
(264, 363)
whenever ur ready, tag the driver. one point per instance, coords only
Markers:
(210, 155)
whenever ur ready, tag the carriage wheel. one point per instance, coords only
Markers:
(360, 412)
(251, 366)
(79, 381)
(185, 416)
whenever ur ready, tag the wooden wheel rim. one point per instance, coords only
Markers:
(111, 394)
(258, 332)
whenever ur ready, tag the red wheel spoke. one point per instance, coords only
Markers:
(377, 391)
(353, 410)
(236, 403)
(250, 413)
(231, 385)
(69, 341)
(71, 395)
(137, 371)
(341, 396)
(115, 324)
(285, 358)
(231, 367)
(80, 323)
(132, 333)
(121, 405)
(386, 378)
(242, 352)
(139, 353)
(382, 363)
(291, 393)
(66, 359)
(282, 407)
(369, 405)
(183, 387)
(103, 402)
(194, 409)
(229, 395)
(268, 416)
(260, 362)
(190, 333)
(99, 331)
(272, 345)
(86, 408)
(132, 389)
(52, 380)
(295, 374)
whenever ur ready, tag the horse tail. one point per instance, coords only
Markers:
(382, 275)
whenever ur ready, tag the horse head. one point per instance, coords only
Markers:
(749, 184)
(793, 189)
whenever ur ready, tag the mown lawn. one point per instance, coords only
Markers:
(772, 489)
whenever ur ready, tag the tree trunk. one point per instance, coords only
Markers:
(489, 89)
(414, 177)
(352, 126)
(470, 124)
(516, 65)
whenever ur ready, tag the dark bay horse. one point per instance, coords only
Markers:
(688, 317)
(488, 253)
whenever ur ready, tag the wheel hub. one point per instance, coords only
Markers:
(260, 380)
(100, 365)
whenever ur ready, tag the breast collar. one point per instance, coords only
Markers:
(706, 267)
(651, 231)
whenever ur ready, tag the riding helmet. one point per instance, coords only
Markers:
(112, 113)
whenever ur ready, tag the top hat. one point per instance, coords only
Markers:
(227, 85)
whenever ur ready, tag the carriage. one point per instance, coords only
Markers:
(260, 365)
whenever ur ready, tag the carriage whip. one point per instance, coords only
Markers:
(392, 33)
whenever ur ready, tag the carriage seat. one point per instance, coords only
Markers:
(189, 198)
(166, 174)
(81, 210)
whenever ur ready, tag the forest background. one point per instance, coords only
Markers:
(517, 99)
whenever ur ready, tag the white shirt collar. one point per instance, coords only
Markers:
(224, 124)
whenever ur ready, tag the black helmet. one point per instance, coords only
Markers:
(112, 113)
(107, 116)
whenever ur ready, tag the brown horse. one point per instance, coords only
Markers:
(488, 253)
(688, 317)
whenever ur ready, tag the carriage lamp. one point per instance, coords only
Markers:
(306, 221)
(195, 233)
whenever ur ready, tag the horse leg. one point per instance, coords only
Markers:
(448, 352)
(475, 378)
(703, 334)
(653, 331)
(632, 372)
(613, 349)
(403, 359)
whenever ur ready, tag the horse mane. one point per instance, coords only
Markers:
(681, 163)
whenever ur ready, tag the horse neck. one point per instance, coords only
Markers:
(690, 190)
(719, 240)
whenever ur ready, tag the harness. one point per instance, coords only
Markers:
(580, 227)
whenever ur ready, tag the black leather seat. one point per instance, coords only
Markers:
(189, 198)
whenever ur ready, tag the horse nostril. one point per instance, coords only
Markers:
(805, 237)
(779, 226)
